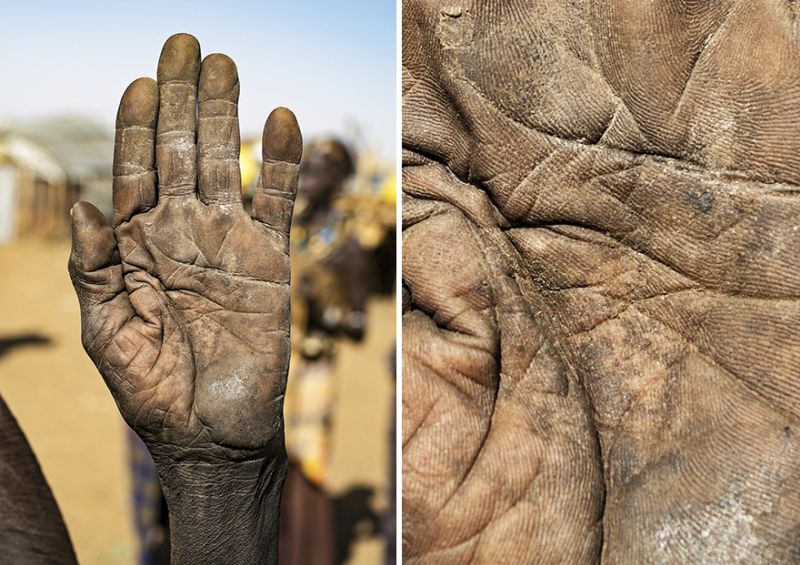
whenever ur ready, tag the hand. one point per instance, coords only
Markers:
(600, 250)
(185, 297)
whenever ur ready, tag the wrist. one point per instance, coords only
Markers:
(223, 511)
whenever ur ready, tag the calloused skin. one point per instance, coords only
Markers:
(185, 300)
(601, 273)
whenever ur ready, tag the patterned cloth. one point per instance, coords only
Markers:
(308, 408)
(149, 511)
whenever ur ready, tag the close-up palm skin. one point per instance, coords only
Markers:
(184, 300)
(600, 269)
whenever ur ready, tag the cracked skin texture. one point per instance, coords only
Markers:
(601, 279)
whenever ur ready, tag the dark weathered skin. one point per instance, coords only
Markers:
(185, 301)
(600, 248)
(32, 531)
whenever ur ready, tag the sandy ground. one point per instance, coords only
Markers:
(77, 434)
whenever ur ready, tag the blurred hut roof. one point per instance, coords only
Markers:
(30, 155)
(83, 147)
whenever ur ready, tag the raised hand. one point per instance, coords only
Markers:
(185, 297)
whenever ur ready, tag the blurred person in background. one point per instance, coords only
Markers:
(342, 252)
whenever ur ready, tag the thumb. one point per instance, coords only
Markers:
(93, 243)
(96, 273)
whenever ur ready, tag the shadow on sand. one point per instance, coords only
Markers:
(7, 343)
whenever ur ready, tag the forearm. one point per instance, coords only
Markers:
(32, 530)
(224, 512)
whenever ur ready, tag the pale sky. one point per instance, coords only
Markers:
(333, 63)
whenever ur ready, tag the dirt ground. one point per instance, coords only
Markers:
(75, 430)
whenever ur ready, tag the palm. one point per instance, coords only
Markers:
(185, 308)
(601, 249)
(218, 286)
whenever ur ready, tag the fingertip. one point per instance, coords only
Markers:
(139, 104)
(85, 214)
(180, 58)
(219, 78)
(282, 140)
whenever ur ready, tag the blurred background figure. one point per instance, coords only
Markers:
(57, 109)
(342, 253)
